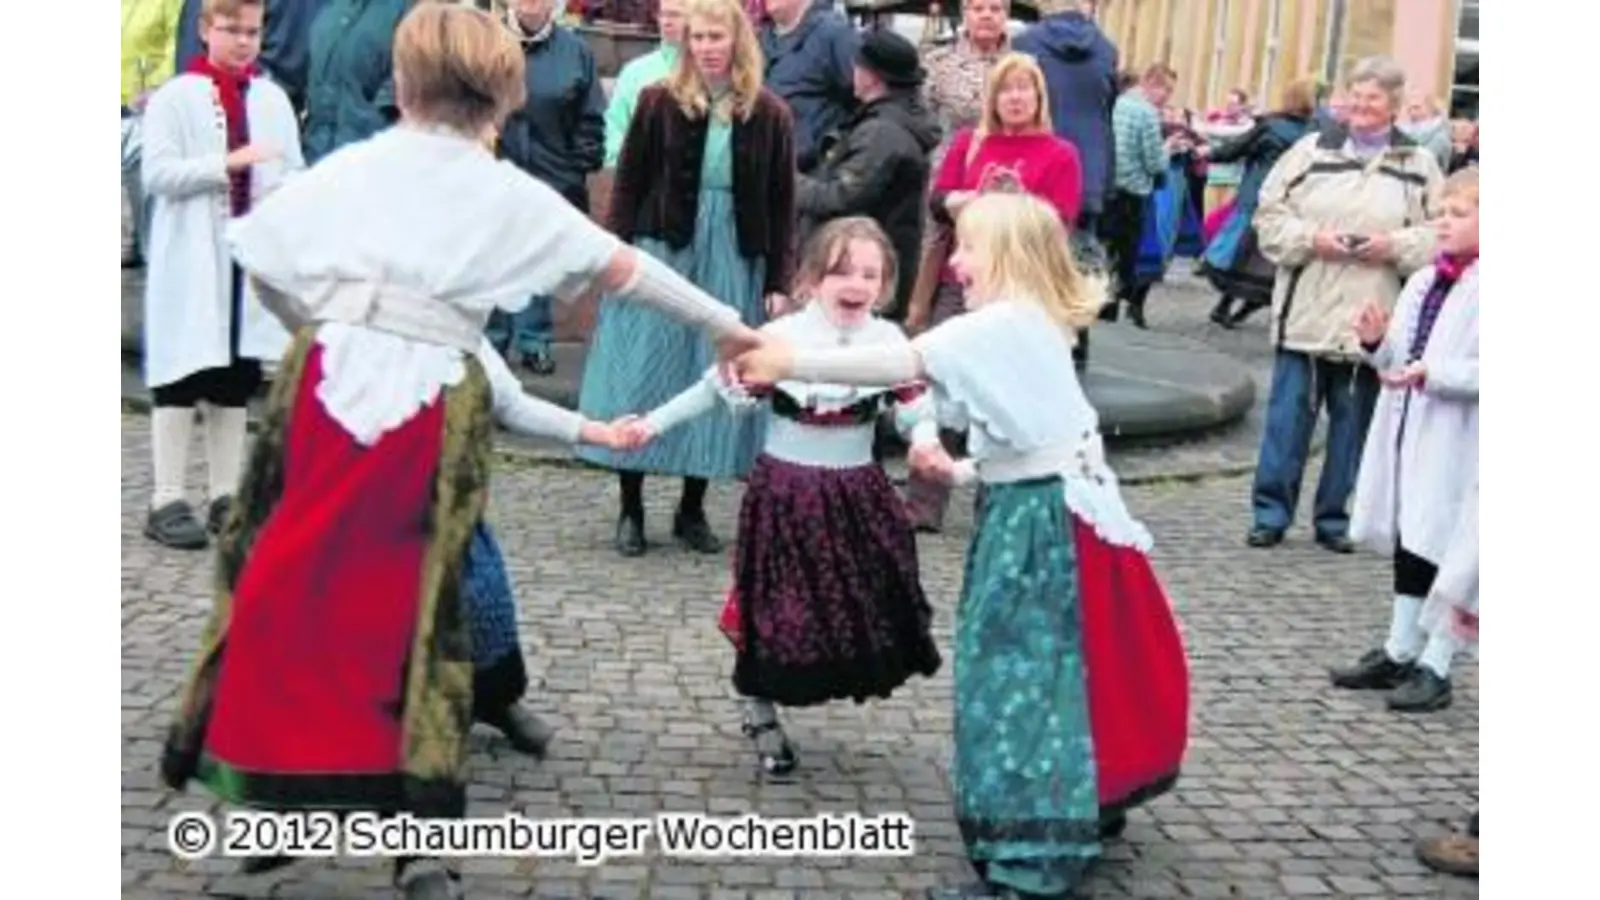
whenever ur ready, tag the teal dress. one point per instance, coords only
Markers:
(639, 358)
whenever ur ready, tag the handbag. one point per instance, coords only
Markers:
(730, 622)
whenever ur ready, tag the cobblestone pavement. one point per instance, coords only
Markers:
(1290, 788)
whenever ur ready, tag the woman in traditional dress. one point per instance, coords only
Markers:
(706, 183)
(336, 672)
(826, 603)
(217, 139)
(1071, 681)
(1013, 147)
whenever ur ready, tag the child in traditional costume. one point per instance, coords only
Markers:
(1071, 680)
(500, 677)
(1421, 457)
(336, 672)
(826, 602)
(217, 139)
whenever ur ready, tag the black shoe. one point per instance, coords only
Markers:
(1375, 671)
(1424, 691)
(176, 526)
(260, 865)
(1111, 311)
(694, 533)
(1112, 826)
(1221, 314)
(217, 515)
(1336, 543)
(1136, 315)
(776, 756)
(1472, 826)
(539, 363)
(527, 732)
(630, 535)
(1264, 537)
(1245, 311)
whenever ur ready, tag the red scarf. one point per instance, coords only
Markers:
(231, 88)
(1451, 266)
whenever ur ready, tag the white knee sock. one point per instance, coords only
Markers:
(1437, 655)
(225, 438)
(1405, 635)
(171, 429)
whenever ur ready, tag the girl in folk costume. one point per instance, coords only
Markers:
(826, 602)
(1421, 457)
(217, 139)
(705, 183)
(500, 676)
(336, 672)
(1071, 680)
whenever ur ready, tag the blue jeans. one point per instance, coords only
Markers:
(1301, 386)
(532, 328)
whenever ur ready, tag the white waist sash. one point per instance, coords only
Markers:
(813, 445)
(1089, 486)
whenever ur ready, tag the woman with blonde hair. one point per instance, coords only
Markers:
(1233, 261)
(336, 671)
(705, 182)
(1011, 148)
(1071, 680)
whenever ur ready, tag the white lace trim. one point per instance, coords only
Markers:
(1099, 504)
(373, 381)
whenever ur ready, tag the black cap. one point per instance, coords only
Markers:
(891, 57)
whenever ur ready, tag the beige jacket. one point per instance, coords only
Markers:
(1319, 185)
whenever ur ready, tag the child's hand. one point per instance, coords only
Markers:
(250, 155)
(764, 366)
(1413, 375)
(633, 433)
(932, 461)
(1372, 323)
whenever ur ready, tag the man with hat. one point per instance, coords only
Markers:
(877, 164)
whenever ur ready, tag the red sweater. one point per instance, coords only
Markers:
(1047, 167)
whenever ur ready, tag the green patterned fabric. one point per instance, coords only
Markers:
(1025, 783)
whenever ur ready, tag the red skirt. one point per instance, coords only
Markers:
(1136, 669)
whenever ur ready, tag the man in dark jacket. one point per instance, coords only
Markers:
(877, 165)
(1080, 70)
(810, 51)
(558, 137)
(285, 43)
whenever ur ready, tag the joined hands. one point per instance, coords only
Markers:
(623, 434)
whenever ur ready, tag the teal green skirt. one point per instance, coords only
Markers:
(1025, 786)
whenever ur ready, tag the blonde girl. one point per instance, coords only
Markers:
(1071, 681)
(705, 183)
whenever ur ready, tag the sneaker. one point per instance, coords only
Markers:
(1424, 691)
(1375, 671)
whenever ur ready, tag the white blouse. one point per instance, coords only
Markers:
(421, 224)
(1004, 371)
(836, 446)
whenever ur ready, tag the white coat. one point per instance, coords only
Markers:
(188, 285)
(1414, 482)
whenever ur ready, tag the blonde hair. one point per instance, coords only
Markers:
(1463, 184)
(829, 248)
(689, 89)
(457, 66)
(989, 121)
(1022, 251)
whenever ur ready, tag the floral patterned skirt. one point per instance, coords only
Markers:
(1071, 688)
(826, 603)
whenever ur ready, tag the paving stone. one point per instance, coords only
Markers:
(1290, 788)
